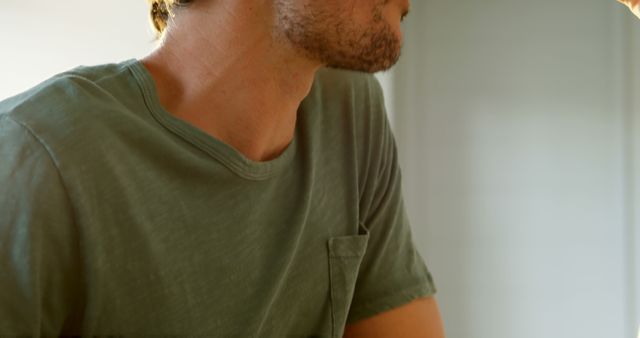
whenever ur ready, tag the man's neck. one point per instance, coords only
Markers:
(222, 70)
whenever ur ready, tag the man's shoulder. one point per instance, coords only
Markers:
(346, 113)
(74, 114)
(72, 103)
(63, 94)
(345, 91)
(357, 96)
(338, 80)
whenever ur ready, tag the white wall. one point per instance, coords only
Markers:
(386, 79)
(632, 123)
(40, 38)
(516, 149)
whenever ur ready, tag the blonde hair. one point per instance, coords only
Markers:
(162, 10)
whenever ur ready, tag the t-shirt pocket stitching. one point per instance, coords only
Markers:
(345, 258)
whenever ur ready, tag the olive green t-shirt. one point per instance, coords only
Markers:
(117, 218)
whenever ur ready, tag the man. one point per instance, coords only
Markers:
(228, 184)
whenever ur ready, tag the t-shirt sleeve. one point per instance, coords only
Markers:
(392, 272)
(36, 252)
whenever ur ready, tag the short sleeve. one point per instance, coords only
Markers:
(37, 256)
(392, 272)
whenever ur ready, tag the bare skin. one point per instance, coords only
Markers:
(238, 85)
(229, 67)
(401, 322)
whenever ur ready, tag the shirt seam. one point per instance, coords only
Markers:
(65, 189)
(263, 173)
(48, 151)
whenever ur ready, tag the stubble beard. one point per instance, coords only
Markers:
(339, 43)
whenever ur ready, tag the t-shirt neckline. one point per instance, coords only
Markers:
(226, 154)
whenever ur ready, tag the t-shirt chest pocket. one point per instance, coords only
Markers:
(345, 256)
